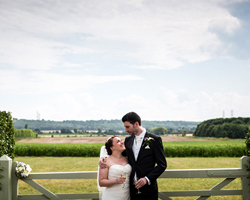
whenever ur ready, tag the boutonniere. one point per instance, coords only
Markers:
(147, 141)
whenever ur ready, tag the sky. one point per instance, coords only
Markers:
(95, 59)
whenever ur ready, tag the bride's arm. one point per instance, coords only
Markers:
(105, 182)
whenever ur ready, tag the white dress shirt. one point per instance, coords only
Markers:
(137, 146)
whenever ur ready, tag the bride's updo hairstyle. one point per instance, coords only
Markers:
(109, 144)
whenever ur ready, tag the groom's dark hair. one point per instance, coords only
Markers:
(132, 117)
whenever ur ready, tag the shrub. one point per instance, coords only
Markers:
(7, 139)
(247, 142)
(93, 150)
(24, 133)
(226, 150)
(58, 150)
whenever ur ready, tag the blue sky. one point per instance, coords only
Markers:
(95, 59)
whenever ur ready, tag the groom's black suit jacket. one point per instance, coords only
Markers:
(145, 165)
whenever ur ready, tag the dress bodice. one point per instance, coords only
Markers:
(118, 191)
(118, 170)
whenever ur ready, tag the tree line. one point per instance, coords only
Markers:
(155, 130)
(115, 125)
(233, 128)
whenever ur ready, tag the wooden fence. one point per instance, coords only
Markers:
(9, 182)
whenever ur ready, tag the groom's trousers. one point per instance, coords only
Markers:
(143, 197)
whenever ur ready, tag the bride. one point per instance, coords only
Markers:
(115, 177)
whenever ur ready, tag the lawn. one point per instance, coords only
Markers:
(67, 164)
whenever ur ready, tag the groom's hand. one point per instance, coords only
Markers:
(102, 163)
(140, 183)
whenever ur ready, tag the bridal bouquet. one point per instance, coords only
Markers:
(22, 170)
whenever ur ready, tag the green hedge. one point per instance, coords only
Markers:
(25, 133)
(7, 139)
(93, 150)
(57, 150)
(205, 151)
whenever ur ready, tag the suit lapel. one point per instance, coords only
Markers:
(130, 145)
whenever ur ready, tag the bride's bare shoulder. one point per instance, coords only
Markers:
(109, 162)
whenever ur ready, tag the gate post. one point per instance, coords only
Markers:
(245, 165)
(6, 165)
(14, 181)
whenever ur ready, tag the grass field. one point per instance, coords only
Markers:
(66, 164)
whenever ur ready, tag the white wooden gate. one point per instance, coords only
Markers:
(9, 182)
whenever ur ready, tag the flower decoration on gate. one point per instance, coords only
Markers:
(147, 141)
(22, 170)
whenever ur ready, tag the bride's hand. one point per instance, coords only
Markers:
(120, 180)
(102, 163)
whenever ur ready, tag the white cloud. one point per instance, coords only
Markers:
(85, 107)
(14, 82)
(164, 35)
(201, 106)
(63, 48)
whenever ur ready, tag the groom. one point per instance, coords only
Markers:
(146, 157)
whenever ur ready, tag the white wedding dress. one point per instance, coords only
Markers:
(118, 191)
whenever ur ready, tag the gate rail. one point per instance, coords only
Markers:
(10, 182)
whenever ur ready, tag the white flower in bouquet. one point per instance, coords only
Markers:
(22, 170)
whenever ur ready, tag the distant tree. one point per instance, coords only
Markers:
(229, 127)
(65, 130)
(110, 132)
(26, 126)
(159, 130)
(184, 133)
(75, 130)
(170, 130)
(37, 130)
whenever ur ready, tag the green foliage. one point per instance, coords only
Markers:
(24, 133)
(187, 149)
(26, 126)
(65, 131)
(159, 130)
(77, 150)
(37, 130)
(184, 133)
(233, 128)
(111, 132)
(116, 124)
(7, 139)
(247, 142)
(204, 151)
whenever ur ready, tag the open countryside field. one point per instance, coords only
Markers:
(86, 146)
(63, 164)
(84, 139)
